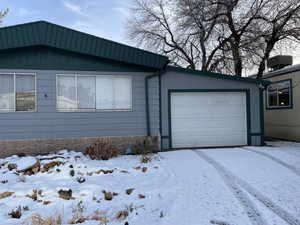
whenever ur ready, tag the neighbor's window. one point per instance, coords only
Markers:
(279, 95)
(80, 92)
(17, 92)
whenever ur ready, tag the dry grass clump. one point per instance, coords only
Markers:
(35, 194)
(37, 219)
(78, 214)
(122, 215)
(146, 159)
(100, 216)
(102, 150)
(147, 146)
(6, 194)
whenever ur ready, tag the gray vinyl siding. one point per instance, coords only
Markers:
(180, 80)
(48, 123)
(153, 91)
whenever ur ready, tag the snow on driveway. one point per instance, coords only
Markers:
(233, 186)
(202, 197)
(271, 180)
(250, 185)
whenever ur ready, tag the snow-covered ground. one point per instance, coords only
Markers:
(233, 186)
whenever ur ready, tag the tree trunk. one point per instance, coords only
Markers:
(262, 65)
(238, 65)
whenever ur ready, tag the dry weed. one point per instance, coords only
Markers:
(102, 150)
(37, 219)
(100, 216)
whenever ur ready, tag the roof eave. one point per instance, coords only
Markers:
(218, 75)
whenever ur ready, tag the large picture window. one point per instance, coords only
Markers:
(17, 92)
(90, 93)
(279, 95)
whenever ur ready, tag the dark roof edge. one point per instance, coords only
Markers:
(35, 33)
(68, 28)
(284, 71)
(219, 75)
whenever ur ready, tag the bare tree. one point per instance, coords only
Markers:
(280, 26)
(215, 35)
(176, 28)
(3, 13)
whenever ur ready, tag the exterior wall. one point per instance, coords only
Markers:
(47, 123)
(153, 95)
(285, 123)
(180, 80)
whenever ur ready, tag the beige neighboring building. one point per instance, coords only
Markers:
(282, 104)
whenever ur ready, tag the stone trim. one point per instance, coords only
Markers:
(44, 146)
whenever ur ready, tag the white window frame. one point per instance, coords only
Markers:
(35, 92)
(94, 110)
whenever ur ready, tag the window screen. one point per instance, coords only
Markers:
(17, 92)
(79, 92)
(279, 94)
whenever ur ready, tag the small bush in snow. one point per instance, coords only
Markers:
(122, 215)
(35, 194)
(100, 216)
(78, 213)
(102, 150)
(37, 219)
(146, 159)
(145, 147)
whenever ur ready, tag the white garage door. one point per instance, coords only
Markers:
(208, 119)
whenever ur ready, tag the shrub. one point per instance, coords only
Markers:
(146, 158)
(78, 211)
(145, 147)
(102, 150)
(37, 219)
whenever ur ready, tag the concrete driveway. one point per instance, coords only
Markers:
(237, 186)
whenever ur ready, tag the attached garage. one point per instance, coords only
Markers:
(208, 118)
(203, 109)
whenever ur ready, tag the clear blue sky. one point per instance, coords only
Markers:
(104, 18)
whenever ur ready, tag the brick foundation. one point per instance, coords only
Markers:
(44, 146)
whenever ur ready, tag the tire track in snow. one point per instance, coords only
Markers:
(287, 166)
(286, 216)
(294, 152)
(252, 212)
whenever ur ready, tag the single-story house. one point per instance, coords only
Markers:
(282, 109)
(61, 88)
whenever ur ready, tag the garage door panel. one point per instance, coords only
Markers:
(205, 119)
(206, 142)
(187, 110)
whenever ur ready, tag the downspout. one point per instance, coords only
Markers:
(262, 88)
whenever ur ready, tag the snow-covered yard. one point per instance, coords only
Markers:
(234, 186)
